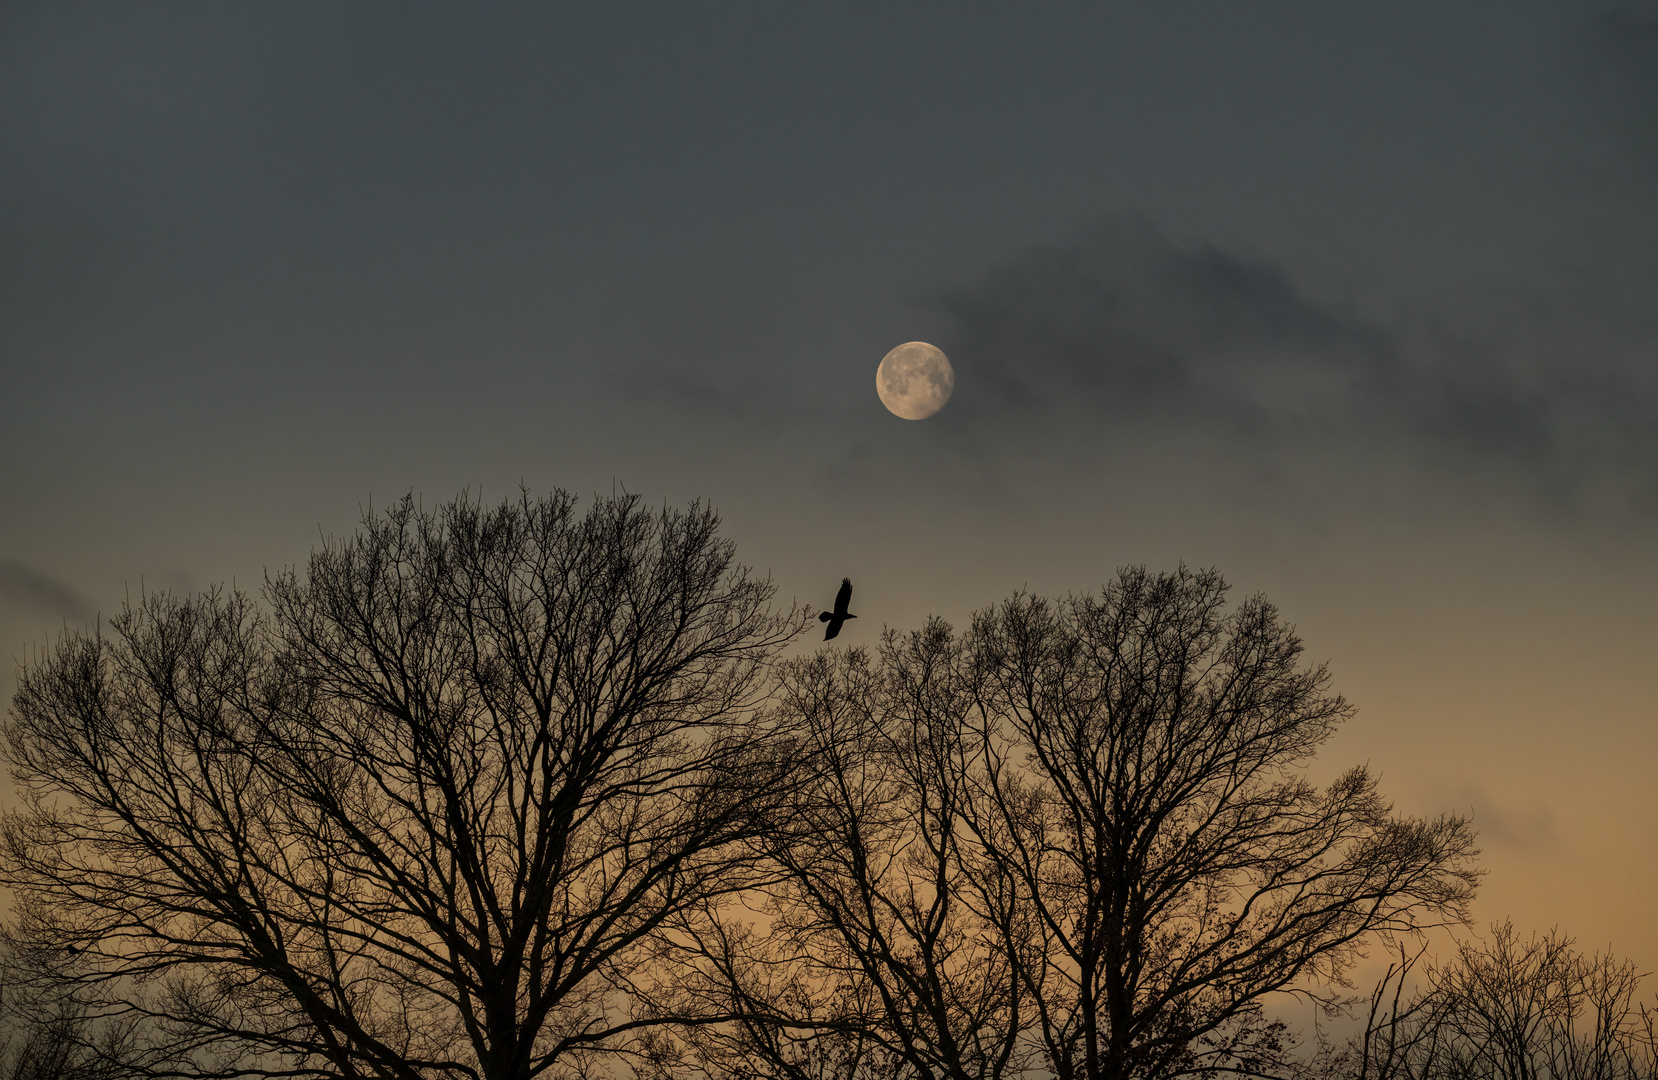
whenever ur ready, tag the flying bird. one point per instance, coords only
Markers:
(840, 614)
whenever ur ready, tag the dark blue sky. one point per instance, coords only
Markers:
(1357, 302)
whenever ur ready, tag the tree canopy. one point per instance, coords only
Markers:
(421, 814)
(523, 791)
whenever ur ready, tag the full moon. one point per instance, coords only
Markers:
(915, 380)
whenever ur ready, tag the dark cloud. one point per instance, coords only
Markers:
(24, 587)
(1636, 28)
(1163, 340)
(1131, 322)
(730, 400)
(1623, 67)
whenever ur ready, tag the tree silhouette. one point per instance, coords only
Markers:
(1076, 838)
(891, 946)
(1509, 1009)
(45, 1034)
(1141, 755)
(427, 814)
(508, 793)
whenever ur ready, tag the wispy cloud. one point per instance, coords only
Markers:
(1528, 827)
(1128, 321)
(1162, 341)
(24, 587)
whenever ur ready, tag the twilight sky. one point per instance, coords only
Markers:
(1356, 302)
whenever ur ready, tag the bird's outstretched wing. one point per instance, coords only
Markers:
(833, 629)
(844, 597)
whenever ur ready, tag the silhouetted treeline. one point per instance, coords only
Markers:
(1503, 1008)
(523, 792)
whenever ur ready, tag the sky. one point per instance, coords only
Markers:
(1357, 303)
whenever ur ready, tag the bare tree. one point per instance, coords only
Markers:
(1400, 1040)
(891, 947)
(426, 815)
(1507, 1009)
(45, 1034)
(1076, 838)
(1142, 778)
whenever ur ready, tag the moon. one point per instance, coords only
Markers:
(915, 380)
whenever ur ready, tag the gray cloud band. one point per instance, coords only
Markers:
(24, 587)
(1162, 339)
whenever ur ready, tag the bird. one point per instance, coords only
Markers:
(840, 614)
